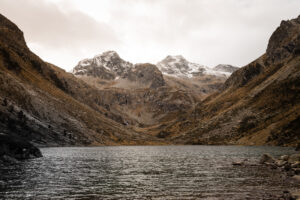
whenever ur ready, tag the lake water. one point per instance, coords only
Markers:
(143, 172)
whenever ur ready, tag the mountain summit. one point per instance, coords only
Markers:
(110, 66)
(178, 66)
(112, 101)
(259, 103)
(107, 65)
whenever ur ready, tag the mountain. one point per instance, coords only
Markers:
(259, 103)
(141, 94)
(107, 65)
(178, 66)
(225, 68)
(109, 101)
(47, 106)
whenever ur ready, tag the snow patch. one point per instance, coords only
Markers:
(178, 66)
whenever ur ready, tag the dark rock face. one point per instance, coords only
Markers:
(11, 33)
(146, 74)
(298, 147)
(284, 42)
(14, 148)
(242, 76)
(266, 158)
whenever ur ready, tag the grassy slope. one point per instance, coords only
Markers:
(57, 107)
(260, 103)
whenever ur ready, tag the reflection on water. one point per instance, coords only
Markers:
(143, 172)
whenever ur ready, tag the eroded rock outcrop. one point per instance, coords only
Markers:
(147, 74)
(13, 149)
(284, 42)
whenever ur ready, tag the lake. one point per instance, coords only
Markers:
(144, 172)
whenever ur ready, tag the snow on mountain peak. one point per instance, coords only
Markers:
(180, 67)
(109, 65)
(107, 62)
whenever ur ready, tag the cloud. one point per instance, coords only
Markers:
(49, 29)
(205, 31)
(208, 32)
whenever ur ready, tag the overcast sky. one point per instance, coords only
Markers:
(207, 32)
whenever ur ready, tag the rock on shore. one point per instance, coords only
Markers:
(14, 149)
(290, 165)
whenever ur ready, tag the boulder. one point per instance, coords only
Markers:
(13, 148)
(266, 158)
(287, 167)
(298, 147)
(294, 158)
(271, 165)
(280, 163)
(297, 171)
(295, 195)
(296, 164)
(237, 163)
(284, 157)
(8, 159)
(296, 178)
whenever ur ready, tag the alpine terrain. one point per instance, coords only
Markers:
(108, 101)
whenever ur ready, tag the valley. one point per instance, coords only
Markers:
(147, 100)
(109, 101)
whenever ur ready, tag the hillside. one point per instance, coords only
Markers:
(47, 106)
(259, 103)
(143, 95)
(109, 101)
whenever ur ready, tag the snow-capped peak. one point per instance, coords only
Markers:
(108, 61)
(180, 67)
(109, 65)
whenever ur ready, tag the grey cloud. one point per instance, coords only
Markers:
(46, 24)
(205, 31)
(208, 31)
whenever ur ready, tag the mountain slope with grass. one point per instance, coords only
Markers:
(43, 104)
(141, 94)
(259, 103)
(109, 101)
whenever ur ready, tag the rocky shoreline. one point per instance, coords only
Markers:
(286, 165)
(289, 166)
(14, 149)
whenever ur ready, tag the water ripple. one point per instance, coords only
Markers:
(143, 172)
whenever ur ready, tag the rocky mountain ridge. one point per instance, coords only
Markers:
(109, 65)
(259, 103)
(178, 66)
(110, 101)
(47, 106)
(140, 93)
